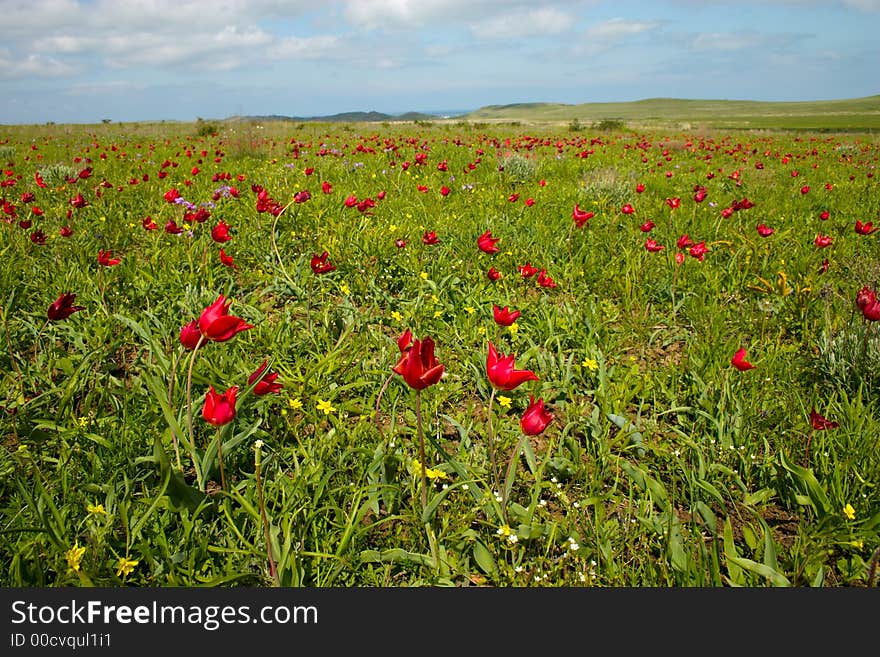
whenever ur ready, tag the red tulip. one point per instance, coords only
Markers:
(38, 237)
(503, 316)
(320, 264)
(764, 231)
(699, 251)
(825, 214)
(684, 241)
(822, 241)
(527, 271)
(493, 274)
(148, 223)
(326, 187)
(63, 307)
(739, 360)
(66, 231)
(172, 195)
(581, 216)
(820, 423)
(653, 246)
(173, 228)
(536, 417)
(627, 209)
(216, 324)
(226, 259)
(105, 259)
(864, 229)
(78, 201)
(673, 202)
(430, 238)
(640, 188)
(501, 372)
(219, 409)
(190, 335)
(544, 279)
(647, 227)
(417, 365)
(486, 242)
(805, 189)
(351, 201)
(220, 232)
(266, 382)
(867, 301)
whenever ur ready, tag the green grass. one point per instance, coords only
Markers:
(663, 465)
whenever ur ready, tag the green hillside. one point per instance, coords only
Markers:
(847, 114)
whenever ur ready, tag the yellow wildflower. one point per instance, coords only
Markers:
(423, 275)
(470, 310)
(96, 509)
(849, 511)
(396, 316)
(504, 401)
(590, 364)
(74, 556)
(343, 287)
(513, 328)
(295, 403)
(325, 406)
(125, 566)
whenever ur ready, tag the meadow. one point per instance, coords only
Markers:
(438, 353)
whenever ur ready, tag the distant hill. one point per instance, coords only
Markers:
(343, 117)
(852, 113)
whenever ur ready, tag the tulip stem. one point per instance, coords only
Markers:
(273, 571)
(422, 451)
(508, 479)
(174, 439)
(492, 441)
(220, 458)
(189, 414)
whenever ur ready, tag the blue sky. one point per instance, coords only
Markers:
(82, 61)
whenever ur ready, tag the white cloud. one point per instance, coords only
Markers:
(727, 42)
(319, 47)
(617, 29)
(32, 66)
(545, 21)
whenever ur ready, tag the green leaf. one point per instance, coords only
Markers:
(774, 577)
(180, 494)
(485, 560)
(808, 483)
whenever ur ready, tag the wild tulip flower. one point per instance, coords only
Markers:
(320, 263)
(501, 371)
(581, 216)
(822, 241)
(78, 201)
(326, 187)
(429, 238)
(764, 231)
(400, 243)
(503, 316)
(220, 232)
(867, 302)
(527, 270)
(824, 216)
(216, 324)
(266, 382)
(418, 366)
(545, 280)
(105, 258)
(674, 202)
(864, 229)
(66, 231)
(640, 188)
(149, 224)
(219, 409)
(739, 360)
(684, 242)
(172, 227)
(351, 201)
(487, 243)
(627, 208)
(820, 423)
(699, 251)
(190, 335)
(653, 246)
(63, 307)
(226, 259)
(493, 274)
(38, 237)
(647, 227)
(536, 417)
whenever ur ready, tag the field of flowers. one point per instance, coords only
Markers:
(438, 354)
